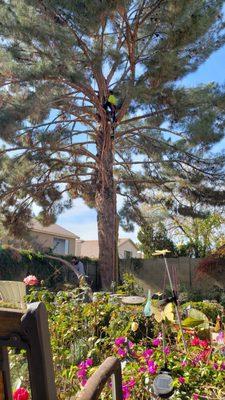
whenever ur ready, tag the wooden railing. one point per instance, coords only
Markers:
(110, 368)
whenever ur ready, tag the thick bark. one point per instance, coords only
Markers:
(105, 200)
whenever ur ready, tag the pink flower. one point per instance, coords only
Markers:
(30, 280)
(181, 379)
(220, 338)
(82, 370)
(215, 366)
(203, 343)
(195, 341)
(222, 367)
(120, 341)
(131, 383)
(89, 362)
(126, 392)
(142, 370)
(156, 342)
(167, 350)
(152, 367)
(147, 353)
(121, 352)
(184, 363)
(195, 396)
(126, 387)
(83, 381)
(81, 373)
(21, 394)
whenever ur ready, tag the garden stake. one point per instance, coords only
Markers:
(175, 303)
(163, 383)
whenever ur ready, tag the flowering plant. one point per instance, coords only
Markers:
(31, 280)
(83, 335)
(21, 394)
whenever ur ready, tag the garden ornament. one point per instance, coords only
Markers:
(147, 308)
(174, 295)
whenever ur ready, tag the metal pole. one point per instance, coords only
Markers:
(176, 306)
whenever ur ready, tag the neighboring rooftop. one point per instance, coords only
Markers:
(53, 229)
(90, 248)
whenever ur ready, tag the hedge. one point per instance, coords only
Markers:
(17, 264)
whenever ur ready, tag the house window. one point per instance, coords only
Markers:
(127, 254)
(60, 246)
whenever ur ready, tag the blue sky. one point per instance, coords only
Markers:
(82, 220)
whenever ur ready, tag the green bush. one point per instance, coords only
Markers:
(211, 310)
(82, 331)
(17, 264)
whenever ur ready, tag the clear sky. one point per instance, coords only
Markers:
(82, 220)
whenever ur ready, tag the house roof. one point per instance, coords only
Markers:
(90, 248)
(53, 229)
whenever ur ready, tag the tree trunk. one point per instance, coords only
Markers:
(105, 199)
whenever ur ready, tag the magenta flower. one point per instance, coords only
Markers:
(81, 373)
(215, 366)
(195, 341)
(120, 341)
(131, 383)
(89, 362)
(122, 352)
(21, 394)
(167, 350)
(30, 280)
(152, 367)
(82, 370)
(147, 353)
(195, 396)
(156, 342)
(222, 367)
(142, 370)
(184, 363)
(181, 379)
(203, 343)
(127, 387)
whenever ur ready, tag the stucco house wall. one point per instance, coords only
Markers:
(46, 241)
(127, 246)
(52, 236)
(90, 248)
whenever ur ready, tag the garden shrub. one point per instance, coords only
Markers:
(83, 335)
(17, 264)
(211, 310)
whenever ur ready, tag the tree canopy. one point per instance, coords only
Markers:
(59, 60)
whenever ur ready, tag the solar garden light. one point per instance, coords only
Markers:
(163, 384)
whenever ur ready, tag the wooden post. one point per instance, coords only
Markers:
(5, 385)
(35, 326)
(27, 331)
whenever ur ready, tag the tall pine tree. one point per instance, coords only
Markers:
(59, 60)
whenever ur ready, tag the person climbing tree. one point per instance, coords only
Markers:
(111, 105)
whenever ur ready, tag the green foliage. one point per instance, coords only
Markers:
(154, 237)
(17, 264)
(59, 59)
(80, 331)
(129, 286)
(211, 310)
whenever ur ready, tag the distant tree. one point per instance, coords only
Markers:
(199, 235)
(154, 237)
(59, 61)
